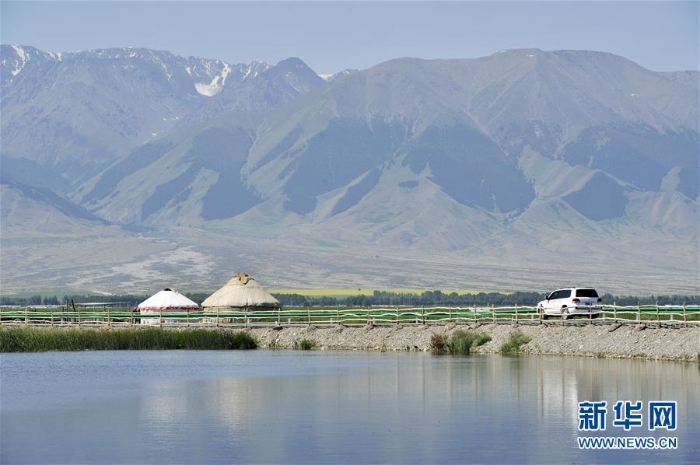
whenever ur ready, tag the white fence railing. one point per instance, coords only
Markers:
(59, 316)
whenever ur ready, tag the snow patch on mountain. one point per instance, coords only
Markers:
(255, 68)
(215, 85)
(338, 75)
(211, 76)
(22, 58)
(16, 57)
(212, 87)
(20, 53)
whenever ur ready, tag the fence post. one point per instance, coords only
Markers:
(423, 313)
(493, 314)
(639, 313)
(308, 315)
(516, 313)
(614, 312)
(658, 321)
(685, 320)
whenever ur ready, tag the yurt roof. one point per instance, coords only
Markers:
(167, 299)
(241, 291)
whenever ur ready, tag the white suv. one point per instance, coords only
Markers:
(571, 301)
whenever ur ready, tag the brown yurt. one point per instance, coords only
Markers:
(241, 293)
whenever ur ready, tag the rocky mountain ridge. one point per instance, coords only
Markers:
(75, 113)
(515, 158)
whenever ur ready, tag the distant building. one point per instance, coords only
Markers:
(166, 302)
(241, 293)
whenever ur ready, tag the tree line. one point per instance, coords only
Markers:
(482, 299)
(377, 299)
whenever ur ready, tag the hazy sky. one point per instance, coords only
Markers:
(331, 36)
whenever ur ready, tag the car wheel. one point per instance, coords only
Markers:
(543, 315)
(564, 313)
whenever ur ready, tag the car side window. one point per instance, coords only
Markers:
(555, 295)
(565, 293)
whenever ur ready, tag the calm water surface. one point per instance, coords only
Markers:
(326, 407)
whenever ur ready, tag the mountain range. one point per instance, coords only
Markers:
(129, 169)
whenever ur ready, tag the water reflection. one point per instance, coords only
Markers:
(282, 407)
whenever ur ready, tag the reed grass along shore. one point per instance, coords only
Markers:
(26, 339)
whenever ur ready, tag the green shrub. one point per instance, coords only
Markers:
(462, 341)
(514, 342)
(481, 339)
(243, 341)
(307, 344)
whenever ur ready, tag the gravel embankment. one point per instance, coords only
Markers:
(626, 341)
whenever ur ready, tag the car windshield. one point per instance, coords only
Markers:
(586, 293)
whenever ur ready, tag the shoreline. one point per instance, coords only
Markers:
(680, 344)
(677, 343)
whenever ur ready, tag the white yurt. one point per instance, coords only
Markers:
(165, 301)
(241, 293)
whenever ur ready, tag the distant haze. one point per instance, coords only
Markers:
(332, 36)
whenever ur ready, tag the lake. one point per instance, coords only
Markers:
(329, 407)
